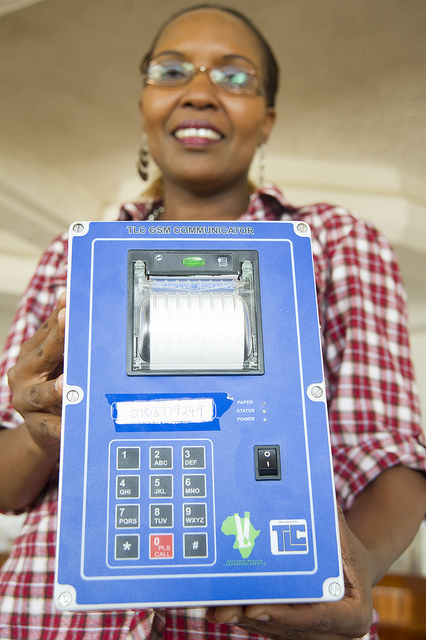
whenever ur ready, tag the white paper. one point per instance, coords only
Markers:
(197, 330)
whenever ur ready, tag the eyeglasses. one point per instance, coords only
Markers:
(230, 78)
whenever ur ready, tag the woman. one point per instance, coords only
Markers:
(208, 104)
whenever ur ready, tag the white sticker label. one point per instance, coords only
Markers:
(173, 411)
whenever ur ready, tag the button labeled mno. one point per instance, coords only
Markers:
(194, 486)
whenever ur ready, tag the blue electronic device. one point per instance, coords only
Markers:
(195, 461)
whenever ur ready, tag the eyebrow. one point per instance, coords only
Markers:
(226, 57)
(230, 56)
(169, 52)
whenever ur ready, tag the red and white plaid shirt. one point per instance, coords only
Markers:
(373, 412)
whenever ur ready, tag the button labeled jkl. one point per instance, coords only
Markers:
(161, 486)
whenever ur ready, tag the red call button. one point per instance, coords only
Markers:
(161, 546)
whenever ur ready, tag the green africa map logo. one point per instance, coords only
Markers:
(244, 532)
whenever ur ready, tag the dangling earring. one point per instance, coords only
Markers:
(262, 164)
(143, 158)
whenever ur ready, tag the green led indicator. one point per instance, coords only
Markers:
(193, 261)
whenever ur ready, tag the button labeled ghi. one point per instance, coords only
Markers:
(267, 462)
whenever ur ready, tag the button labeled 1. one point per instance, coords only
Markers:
(267, 462)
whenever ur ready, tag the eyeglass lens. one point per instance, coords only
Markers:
(229, 77)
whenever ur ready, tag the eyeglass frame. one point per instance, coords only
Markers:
(202, 69)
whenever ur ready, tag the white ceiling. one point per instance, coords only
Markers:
(353, 90)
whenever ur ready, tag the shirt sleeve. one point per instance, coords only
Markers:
(36, 305)
(373, 404)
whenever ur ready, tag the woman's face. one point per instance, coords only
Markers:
(203, 138)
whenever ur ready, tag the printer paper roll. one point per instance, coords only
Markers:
(197, 331)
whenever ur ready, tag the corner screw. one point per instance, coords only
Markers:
(78, 228)
(335, 589)
(65, 599)
(302, 227)
(73, 395)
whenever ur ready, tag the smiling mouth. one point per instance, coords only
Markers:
(197, 133)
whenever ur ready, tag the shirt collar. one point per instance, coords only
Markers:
(266, 203)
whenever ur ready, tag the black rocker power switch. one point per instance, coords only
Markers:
(267, 462)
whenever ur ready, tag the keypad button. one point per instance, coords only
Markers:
(127, 547)
(194, 515)
(161, 515)
(128, 458)
(161, 546)
(160, 458)
(127, 486)
(161, 487)
(194, 486)
(127, 516)
(195, 545)
(193, 458)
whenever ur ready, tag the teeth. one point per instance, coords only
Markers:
(192, 132)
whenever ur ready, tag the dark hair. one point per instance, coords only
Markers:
(270, 65)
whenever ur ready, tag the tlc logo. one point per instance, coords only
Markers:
(288, 536)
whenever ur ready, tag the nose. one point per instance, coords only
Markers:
(200, 93)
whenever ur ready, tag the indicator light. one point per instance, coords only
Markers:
(193, 261)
